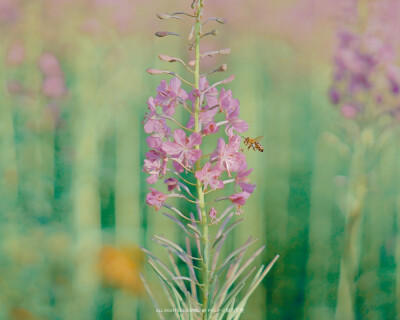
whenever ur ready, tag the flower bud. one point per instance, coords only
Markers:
(166, 33)
(163, 16)
(196, 93)
(165, 58)
(225, 51)
(192, 63)
(219, 20)
(210, 33)
(156, 71)
(222, 68)
(228, 80)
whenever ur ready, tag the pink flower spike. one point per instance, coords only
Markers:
(168, 96)
(213, 215)
(183, 149)
(172, 184)
(156, 198)
(209, 177)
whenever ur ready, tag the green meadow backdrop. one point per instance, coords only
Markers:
(72, 190)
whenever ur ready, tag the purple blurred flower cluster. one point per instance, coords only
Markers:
(366, 80)
(177, 151)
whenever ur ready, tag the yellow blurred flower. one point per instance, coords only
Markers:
(120, 268)
(22, 314)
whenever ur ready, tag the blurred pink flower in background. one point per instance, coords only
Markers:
(9, 11)
(365, 59)
(49, 65)
(53, 82)
(54, 87)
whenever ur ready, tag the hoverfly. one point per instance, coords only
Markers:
(253, 143)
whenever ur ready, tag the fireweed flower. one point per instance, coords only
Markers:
(227, 156)
(168, 95)
(156, 160)
(175, 154)
(239, 200)
(213, 215)
(182, 149)
(226, 101)
(153, 123)
(234, 123)
(156, 198)
(209, 176)
(172, 184)
(242, 180)
(206, 120)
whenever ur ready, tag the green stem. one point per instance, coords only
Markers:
(199, 186)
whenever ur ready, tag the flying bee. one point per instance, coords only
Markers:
(253, 143)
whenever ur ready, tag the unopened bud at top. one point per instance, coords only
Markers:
(229, 79)
(210, 33)
(156, 71)
(213, 53)
(225, 51)
(164, 57)
(219, 20)
(222, 68)
(165, 33)
(163, 16)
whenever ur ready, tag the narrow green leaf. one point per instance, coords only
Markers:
(255, 284)
(153, 299)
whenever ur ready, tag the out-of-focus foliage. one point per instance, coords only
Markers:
(72, 216)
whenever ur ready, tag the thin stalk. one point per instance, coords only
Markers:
(204, 223)
(350, 261)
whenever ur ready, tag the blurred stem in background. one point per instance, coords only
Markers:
(356, 194)
(128, 211)
(321, 228)
(397, 245)
(86, 198)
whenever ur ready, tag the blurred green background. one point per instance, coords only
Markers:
(72, 210)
